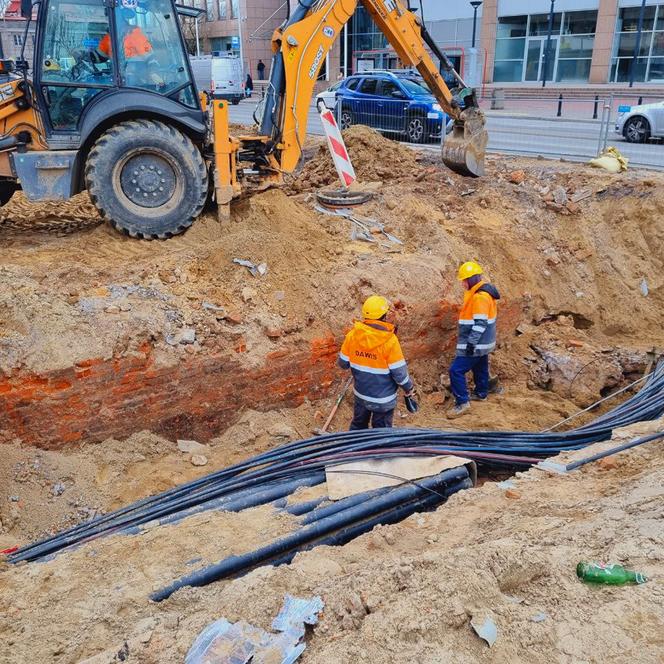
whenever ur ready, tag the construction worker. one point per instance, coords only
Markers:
(141, 66)
(476, 338)
(372, 352)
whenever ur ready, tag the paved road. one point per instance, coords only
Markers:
(526, 135)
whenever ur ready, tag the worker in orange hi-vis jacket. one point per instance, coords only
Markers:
(372, 352)
(476, 338)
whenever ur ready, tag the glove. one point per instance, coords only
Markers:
(411, 405)
(470, 350)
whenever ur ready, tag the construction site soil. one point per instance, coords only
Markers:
(104, 339)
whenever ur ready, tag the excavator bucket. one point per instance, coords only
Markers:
(465, 147)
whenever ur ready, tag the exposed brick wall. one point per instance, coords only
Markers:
(199, 396)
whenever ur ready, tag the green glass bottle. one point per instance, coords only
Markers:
(613, 575)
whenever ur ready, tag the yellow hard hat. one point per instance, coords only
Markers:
(469, 269)
(375, 307)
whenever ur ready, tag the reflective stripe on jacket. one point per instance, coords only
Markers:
(477, 319)
(373, 353)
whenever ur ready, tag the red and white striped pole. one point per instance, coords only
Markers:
(337, 147)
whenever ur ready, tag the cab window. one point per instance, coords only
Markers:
(71, 68)
(73, 32)
(150, 53)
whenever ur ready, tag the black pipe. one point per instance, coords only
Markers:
(560, 105)
(350, 532)
(595, 107)
(235, 564)
(614, 450)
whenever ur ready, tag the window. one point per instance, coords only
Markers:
(18, 40)
(209, 8)
(539, 25)
(151, 57)
(77, 44)
(579, 23)
(368, 86)
(223, 9)
(352, 83)
(414, 88)
(388, 87)
(521, 44)
(512, 26)
(235, 8)
(648, 65)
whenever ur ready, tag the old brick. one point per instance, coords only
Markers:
(608, 463)
(233, 317)
(513, 494)
(516, 177)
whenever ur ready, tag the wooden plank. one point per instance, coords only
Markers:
(357, 476)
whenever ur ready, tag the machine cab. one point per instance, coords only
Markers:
(92, 48)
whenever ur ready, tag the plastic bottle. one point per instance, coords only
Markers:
(614, 575)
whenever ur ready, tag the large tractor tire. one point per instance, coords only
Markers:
(147, 179)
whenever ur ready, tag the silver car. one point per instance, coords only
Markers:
(638, 124)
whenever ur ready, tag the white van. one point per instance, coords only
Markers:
(221, 76)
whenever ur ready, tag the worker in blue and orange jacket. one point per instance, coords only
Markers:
(372, 352)
(476, 337)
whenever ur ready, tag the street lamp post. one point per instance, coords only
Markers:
(471, 74)
(475, 4)
(637, 46)
(547, 53)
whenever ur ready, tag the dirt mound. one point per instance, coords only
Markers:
(374, 157)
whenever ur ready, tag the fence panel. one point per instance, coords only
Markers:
(576, 129)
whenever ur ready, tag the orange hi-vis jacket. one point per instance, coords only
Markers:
(135, 44)
(372, 352)
(477, 319)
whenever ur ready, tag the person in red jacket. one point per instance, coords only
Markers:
(372, 352)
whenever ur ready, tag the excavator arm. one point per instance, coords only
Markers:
(300, 47)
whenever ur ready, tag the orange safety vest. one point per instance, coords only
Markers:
(373, 353)
(135, 44)
(477, 319)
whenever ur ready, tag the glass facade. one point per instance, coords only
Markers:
(649, 65)
(521, 43)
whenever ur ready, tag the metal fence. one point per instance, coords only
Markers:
(587, 128)
(578, 131)
(396, 118)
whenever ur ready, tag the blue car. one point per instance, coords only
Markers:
(392, 104)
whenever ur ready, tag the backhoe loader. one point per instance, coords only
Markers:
(110, 107)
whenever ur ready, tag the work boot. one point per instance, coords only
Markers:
(477, 397)
(458, 410)
(494, 385)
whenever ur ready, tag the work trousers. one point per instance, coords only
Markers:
(460, 367)
(362, 416)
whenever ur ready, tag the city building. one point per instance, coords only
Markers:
(12, 33)
(591, 41)
(245, 28)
